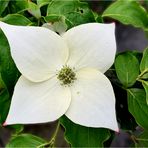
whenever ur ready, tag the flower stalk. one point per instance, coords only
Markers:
(51, 143)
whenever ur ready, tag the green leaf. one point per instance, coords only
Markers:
(3, 5)
(142, 140)
(145, 85)
(75, 12)
(99, 19)
(21, 5)
(16, 19)
(9, 76)
(25, 140)
(80, 136)
(17, 6)
(4, 104)
(137, 106)
(34, 10)
(2, 85)
(53, 18)
(4, 101)
(137, 54)
(127, 68)
(63, 8)
(9, 71)
(144, 61)
(41, 3)
(128, 12)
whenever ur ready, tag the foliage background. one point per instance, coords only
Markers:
(128, 36)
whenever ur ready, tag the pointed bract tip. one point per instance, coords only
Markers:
(117, 131)
(113, 22)
(4, 124)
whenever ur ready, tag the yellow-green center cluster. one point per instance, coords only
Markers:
(66, 75)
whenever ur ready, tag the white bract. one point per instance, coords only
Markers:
(63, 74)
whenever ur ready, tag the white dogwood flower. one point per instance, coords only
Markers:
(63, 74)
